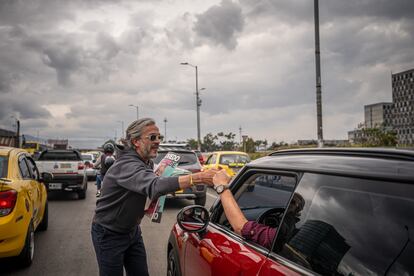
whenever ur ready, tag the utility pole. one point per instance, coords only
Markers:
(198, 103)
(244, 142)
(318, 76)
(240, 135)
(122, 128)
(136, 106)
(165, 129)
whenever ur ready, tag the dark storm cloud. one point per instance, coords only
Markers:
(22, 106)
(64, 61)
(34, 13)
(108, 46)
(220, 24)
(294, 10)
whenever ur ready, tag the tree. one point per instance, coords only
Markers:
(250, 145)
(377, 137)
(228, 142)
(209, 143)
(192, 143)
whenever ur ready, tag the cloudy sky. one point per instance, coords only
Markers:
(70, 69)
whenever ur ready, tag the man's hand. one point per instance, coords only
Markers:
(221, 178)
(207, 176)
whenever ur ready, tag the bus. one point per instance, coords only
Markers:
(34, 147)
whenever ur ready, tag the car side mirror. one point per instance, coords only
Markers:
(193, 218)
(46, 177)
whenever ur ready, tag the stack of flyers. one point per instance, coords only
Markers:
(165, 168)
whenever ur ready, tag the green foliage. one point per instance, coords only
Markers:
(192, 143)
(378, 137)
(209, 142)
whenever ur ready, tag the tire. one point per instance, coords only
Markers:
(82, 194)
(45, 220)
(173, 268)
(26, 256)
(200, 200)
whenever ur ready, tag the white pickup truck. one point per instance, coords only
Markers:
(68, 171)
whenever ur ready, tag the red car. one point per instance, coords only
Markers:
(356, 217)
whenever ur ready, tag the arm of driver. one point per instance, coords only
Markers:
(232, 210)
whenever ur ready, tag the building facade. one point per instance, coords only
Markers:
(378, 115)
(403, 106)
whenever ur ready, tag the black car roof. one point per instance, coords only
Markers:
(389, 164)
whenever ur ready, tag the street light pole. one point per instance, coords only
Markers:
(122, 125)
(136, 106)
(198, 104)
(318, 76)
(165, 129)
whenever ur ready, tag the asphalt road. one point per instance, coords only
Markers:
(66, 247)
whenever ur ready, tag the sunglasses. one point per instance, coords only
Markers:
(153, 137)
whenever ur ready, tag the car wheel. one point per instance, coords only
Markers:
(45, 220)
(172, 268)
(200, 200)
(26, 256)
(82, 194)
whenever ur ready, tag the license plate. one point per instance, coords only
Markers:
(65, 166)
(55, 186)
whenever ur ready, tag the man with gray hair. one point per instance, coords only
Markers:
(116, 232)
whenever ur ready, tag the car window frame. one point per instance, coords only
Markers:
(22, 158)
(36, 173)
(217, 211)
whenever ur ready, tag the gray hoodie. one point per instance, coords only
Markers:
(126, 186)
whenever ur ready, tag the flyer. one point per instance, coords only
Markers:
(166, 167)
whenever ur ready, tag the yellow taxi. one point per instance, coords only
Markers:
(23, 204)
(231, 161)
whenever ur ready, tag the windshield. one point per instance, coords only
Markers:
(86, 157)
(59, 156)
(3, 166)
(234, 158)
(29, 145)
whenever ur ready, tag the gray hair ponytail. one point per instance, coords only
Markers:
(135, 130)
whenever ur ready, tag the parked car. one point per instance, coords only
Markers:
(23, 204)
(200, 156)
(357, 217)
(89, 162)
(231, 161)
(69, 173)
(188, 163)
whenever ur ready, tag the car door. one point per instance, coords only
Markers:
(347, 226)
(29, 186)
(38, 187)
(220, 251)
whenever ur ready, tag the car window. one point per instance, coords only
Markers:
(351, 226)
(32, 168)
(211, 159)
(233, 159)
(24, 169)
(86, 157)
(3, 166)
(261, 192)
(59, 156)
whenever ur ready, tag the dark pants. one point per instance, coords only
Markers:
(115, 251)
(99, 179)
